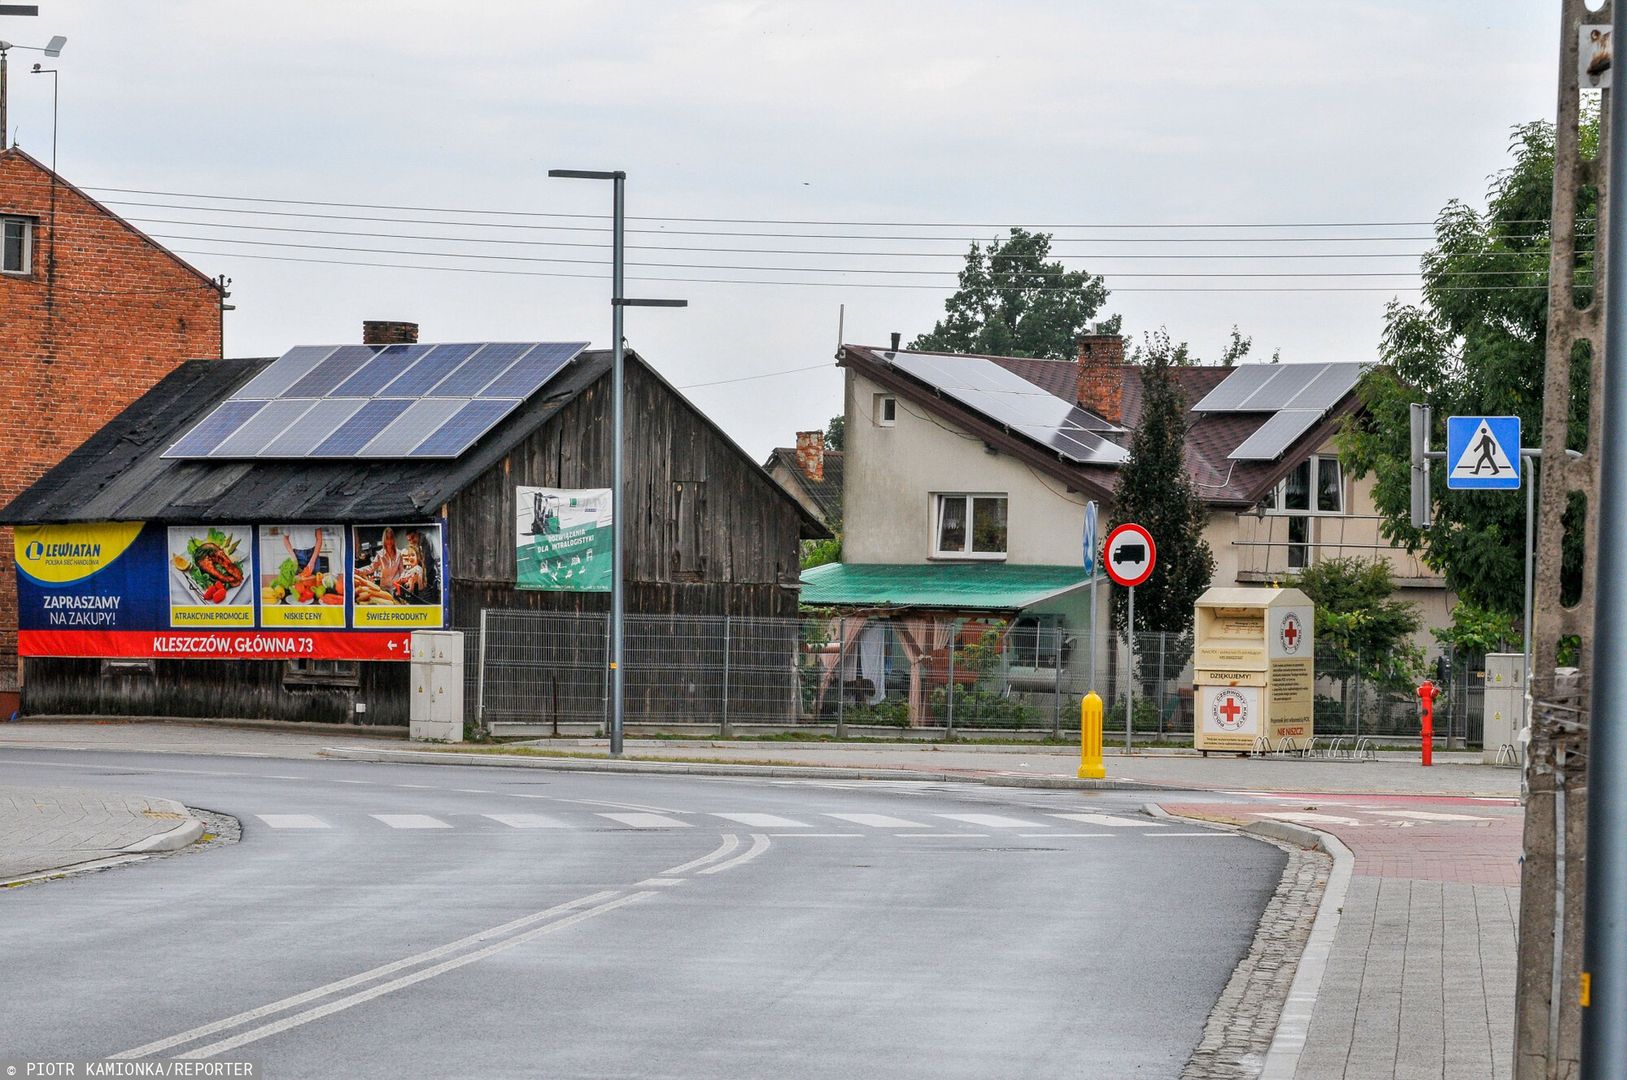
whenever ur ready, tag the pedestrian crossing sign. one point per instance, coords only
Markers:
(1483, 452)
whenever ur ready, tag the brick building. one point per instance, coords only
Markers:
(92, 314)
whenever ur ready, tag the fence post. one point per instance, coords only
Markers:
(949, 689)
(841, 676)
(723, 724)
(480, 680)
(1358, 696)
(1056, 682)
(604, 691)
(1163, 640)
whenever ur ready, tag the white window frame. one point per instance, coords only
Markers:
(1279, 494)
(886, 404)
(935, 523)
(6, 220)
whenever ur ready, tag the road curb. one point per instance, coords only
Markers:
(681, 768)
(173, 840)
(1294, 1022)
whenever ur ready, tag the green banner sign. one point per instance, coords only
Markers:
(562, 539)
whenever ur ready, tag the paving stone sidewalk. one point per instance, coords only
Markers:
(1420, 980)
(52, 828)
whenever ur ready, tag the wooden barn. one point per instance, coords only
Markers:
(258, 537)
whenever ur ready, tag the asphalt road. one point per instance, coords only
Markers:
(394, 920)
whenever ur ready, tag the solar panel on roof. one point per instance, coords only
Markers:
(1014, 402)
(322, 378)
(372, 376)
(1279, 391)
(213, 429)
(1330, 387)
(1276, 435)
(412, 427)
(283, 372)
(531, 371)
(466, 425)
(253, 434)
(300, 438)
(418, 380)
(1236, 388)
(375, 401)
(349, 437)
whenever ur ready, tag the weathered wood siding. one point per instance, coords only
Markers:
(706, 531)
(236, 689)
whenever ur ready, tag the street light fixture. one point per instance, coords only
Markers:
(52, 48)
(618, 597)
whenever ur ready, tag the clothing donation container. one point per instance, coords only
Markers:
(1253, 669)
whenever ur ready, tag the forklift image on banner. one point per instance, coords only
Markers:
(544, 515)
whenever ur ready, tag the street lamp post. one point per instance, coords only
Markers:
(618, 592)
(51, 48)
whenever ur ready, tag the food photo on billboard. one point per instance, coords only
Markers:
(398, 578)
(302, 575)
(210, 567)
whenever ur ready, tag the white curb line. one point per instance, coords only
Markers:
(1294, 1024)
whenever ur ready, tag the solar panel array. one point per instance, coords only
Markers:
(1010, 400)
(1298, 395)
(375, 401)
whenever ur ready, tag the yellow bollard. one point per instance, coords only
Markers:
(1090, 738)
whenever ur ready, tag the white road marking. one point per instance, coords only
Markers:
(1059, 835)
(1112, 822)
(879, 821)
(764, 821)
(994, 821)
(357, 980)
(410, 821)
(292, 821)
(1210, 835)
(730, 842)
(525, 821)
(1426, 815)
(943, 835)
(647, 821)
(471, 791)
(271, 776)
(1306, 818)
(759, 844)
(404, 981)
(821, 835)
(424, 787)
(655, 881)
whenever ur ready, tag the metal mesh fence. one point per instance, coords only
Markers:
(548, 673)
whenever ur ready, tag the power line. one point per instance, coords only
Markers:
(960, 256)
(841, 284)
(826, 269)
(763, 375)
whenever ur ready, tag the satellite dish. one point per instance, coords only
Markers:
(54, 46)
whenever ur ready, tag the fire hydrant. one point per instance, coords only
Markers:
(1426, 698)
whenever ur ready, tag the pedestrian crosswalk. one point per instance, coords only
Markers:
(583, 820)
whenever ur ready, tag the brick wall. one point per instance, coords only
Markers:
(103, 316)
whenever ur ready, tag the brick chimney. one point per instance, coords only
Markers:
(811, 454)
(382, 332)
(1101, 375)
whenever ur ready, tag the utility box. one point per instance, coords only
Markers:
(437, 685)
(1505, 705)
(1253, 668)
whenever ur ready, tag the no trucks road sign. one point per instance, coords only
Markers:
(1131, 555)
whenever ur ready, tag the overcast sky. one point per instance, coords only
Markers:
(1060, 115)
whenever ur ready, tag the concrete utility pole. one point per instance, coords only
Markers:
(1548, 1010)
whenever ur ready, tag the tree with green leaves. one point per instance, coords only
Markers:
(1474, 345)
(1362, 630)
(836, 433)
(1014, 300)
(1155, 490)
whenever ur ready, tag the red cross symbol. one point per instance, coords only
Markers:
(1231, 710)
(1290, 633)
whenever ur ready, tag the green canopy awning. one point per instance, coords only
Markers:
(991, 586)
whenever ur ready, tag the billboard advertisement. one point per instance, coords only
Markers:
(245, 592)
(562, 539)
